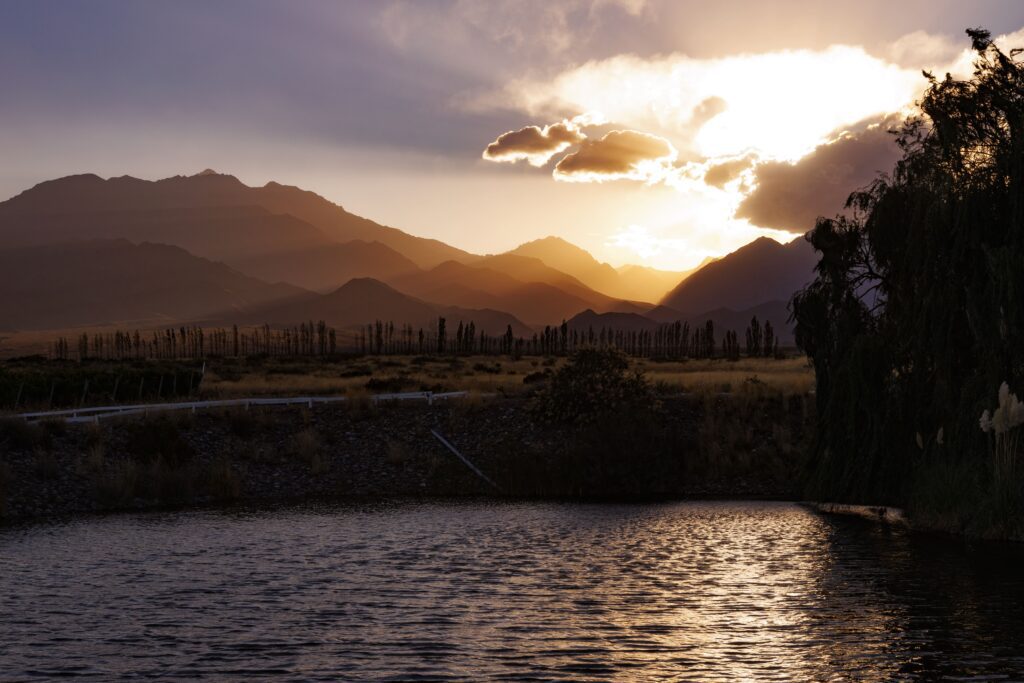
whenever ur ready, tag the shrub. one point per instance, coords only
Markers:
(44, 464)
(242, 423)
(116, 482)
(94, 435)
(397, 452)
(17, 433)
(492, 369)
(220, 480)
(536, 377)
(306, 447)
(54, 427)
(595, 385)
(389, 384)
(158, 438)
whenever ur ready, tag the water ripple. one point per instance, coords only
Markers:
(471, 591)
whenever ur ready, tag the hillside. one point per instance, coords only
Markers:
(761, 271)
(536, 303)
(364, 300)
(572, 260)
(87, 206)
(637, 283)
(643, 283)
(630, 322)
(113, 281)
(326, 267)
(219, 233)
(529, 269)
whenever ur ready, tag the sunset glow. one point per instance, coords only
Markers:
(414, 102)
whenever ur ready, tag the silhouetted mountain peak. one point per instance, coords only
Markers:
(555, 250)
(363, 286)
(72, 206)
(760, 271)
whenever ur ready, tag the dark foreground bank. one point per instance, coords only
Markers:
(746, 445)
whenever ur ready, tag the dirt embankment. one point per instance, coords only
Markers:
(742, 447)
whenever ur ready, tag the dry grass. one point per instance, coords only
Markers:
(44, 463)
(790, 375)
(398, 453)
(487, 375)
(220, 480)
(483, 374)
(307, 447)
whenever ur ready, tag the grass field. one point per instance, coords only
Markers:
(29, 384)
(484, 374)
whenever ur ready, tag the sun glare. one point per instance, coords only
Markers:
(779, 104)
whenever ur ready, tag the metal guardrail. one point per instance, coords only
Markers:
(97, 413)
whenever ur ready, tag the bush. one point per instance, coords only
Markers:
(306, 447)
(537, 377)
(220, 481)
(17, 433)
(596, 385)
(158, 438)
(389, 385)
(492, 369)
(45, 464)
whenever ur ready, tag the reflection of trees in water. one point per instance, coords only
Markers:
(928, 606)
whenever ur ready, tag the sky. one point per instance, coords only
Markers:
(645, 131)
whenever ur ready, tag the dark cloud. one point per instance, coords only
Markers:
(535, 144)
(615, 155)
(721, 173)
(792, 196)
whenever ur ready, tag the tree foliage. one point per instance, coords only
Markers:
(917, 309)
(596, 385)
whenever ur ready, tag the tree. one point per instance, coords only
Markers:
(508, 340)
(754, 337)
(768, 346)
(596, 385)
(917, 309)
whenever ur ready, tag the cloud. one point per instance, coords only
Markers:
(922, 50)
(792, 196)
(533, 31)
(720, 173)
(754, 144)
(780, 104)
(620, 154)
(535, 144)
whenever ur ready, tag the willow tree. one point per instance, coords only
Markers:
(917, 311)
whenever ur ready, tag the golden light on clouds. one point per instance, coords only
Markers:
(704, 127)
(618, 155)
(537, 145)
(780, 104)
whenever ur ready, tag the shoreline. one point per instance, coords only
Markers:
(380, 451)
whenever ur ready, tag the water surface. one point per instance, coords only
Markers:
(530, 591)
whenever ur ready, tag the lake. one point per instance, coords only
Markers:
(701, 591)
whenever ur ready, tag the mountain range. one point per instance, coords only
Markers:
(208, 249)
